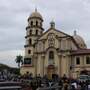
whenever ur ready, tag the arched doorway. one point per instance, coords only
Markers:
(51, 58)
(50, 71)
(51, 65)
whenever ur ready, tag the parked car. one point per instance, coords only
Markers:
(83, 78)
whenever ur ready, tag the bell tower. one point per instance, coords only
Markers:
(34, 30)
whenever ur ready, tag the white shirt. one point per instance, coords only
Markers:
(75, 85)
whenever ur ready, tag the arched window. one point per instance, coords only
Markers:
(31, 23)
(77, 60)
(51, 58)
(30, 32)
(29, 51)
(36, 32)
(36, 23)
(30, 41)
(87, 60)
(27, 61)
(51, 55)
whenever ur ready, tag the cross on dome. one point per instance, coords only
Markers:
(52, 23)
(75, 32)
(35, 9)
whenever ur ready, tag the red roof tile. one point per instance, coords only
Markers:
(80, 52)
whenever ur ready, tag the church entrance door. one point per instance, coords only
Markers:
(50, 71)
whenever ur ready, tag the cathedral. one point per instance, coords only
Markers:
(52, 51)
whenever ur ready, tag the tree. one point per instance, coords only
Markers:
(19, 60)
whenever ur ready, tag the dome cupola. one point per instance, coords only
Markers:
(52, 23)
(35, 14)
(79, 40)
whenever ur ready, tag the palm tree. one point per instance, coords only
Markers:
(19, 60)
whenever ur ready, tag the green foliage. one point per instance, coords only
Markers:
(10, 69)
(3, 67)
(19, 60)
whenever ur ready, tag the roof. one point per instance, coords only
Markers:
(80, 41)
(80, 52)
(55, 30)
(36, 14)
(59, 31)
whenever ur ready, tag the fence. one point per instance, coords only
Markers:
(51, 88)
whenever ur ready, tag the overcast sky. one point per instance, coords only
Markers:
(69, 15)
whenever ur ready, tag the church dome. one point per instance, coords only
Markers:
(36, 14)
(79, 40)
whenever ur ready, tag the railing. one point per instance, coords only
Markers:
(10, 88)
(50, 88)
(7, 85)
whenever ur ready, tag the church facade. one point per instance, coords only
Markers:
(53, 51)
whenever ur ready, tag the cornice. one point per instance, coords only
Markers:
(34, 26)
(25, 46)
(32, 35)
(30, 18)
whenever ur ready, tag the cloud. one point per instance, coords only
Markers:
(8, 57)
(69, 15)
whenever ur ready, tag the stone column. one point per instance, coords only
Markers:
(59, 65)
(68, 61)
(35, 64)
(42, 65)
(63, 65)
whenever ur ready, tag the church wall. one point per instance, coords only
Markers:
(68, 62)
(34, 22)
(47, 44)
(61, 46)
(82, 66)
(33, 30)
(27, 32)
(46, 61)
(65, 65)
(40, 65)
(59, 34)
(59, 65)
(73, 46)
(33, 40)
(56, 62)
(40, 46)
(26, 51)
(24, 70)
(85, 59)
(82, 60)
(68, 44)
(88, 65)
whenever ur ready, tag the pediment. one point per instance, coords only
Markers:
(55, 32)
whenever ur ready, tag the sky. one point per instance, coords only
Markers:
(68, 15)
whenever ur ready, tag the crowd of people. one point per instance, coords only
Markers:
(35, 83)
(56, 83)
